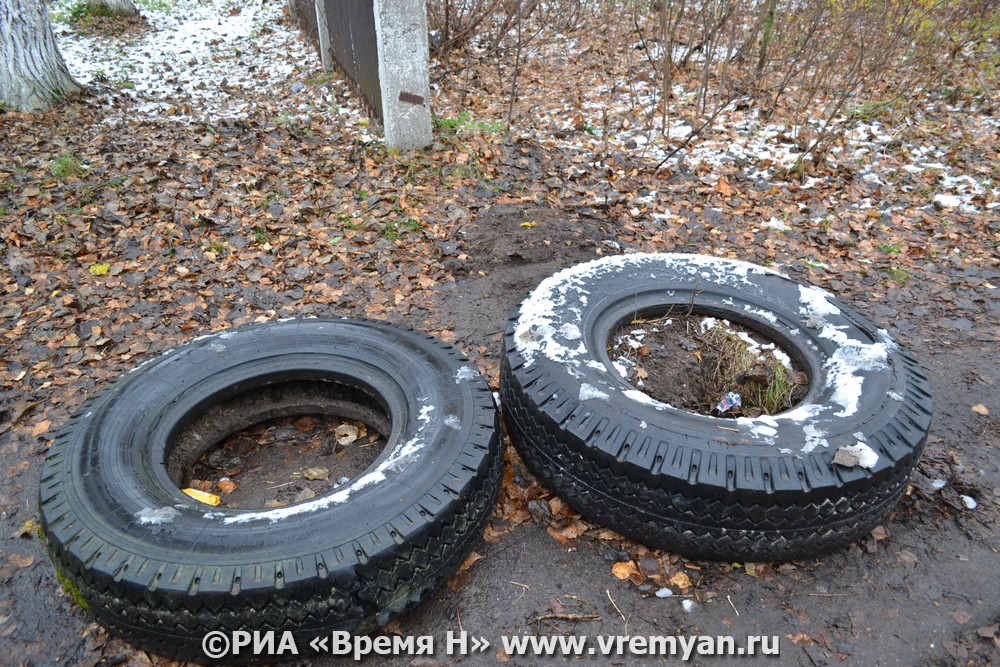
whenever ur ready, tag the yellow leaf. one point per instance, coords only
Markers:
(681, 580)
(99, 269)
(981, 409)
(624, 569)
(41, 427)
(529, 223)
(203, 497)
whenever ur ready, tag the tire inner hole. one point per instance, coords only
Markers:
(707, 363)
(278, 444)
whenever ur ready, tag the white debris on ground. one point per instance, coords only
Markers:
(206, 59)
(739, 135)
(201, 60)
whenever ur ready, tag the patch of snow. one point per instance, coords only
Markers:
(939, 484)
(947, 201)
(624, 366)
(774, 223)
(451, 421)
(969, 502)
(763, 427)
(814, 438)
(767, 315)
(640, 397)
(149, 516)
(850, 358)
(589, 391)
(466, 373)
(663, 592)
(816, 302)
(208, 56)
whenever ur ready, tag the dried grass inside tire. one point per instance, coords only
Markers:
(742, 490)
(161, 570)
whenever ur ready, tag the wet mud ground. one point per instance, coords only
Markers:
(923, 592)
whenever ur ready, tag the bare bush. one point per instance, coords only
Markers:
(453, 23)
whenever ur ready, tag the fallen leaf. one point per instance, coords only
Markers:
(529, 223)
(201, 484)
(879, 532)
(567, 533)
(723, 187)
(960, 617)
(204, 497)
(503, 656)
(980, 409)
(22, 561)
(624, 569)
(316, 473)
(346, 434)
(990, 632)
(393, 627)
(680, 580)
(41, 427)
(99, 269)
(470, 560)
(304, 494)
(801, 639)
(226, 486)
(459, 580)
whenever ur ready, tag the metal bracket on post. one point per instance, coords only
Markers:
(403, 54)
(323, 33)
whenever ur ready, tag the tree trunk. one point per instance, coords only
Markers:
(33, 74)
(112, 7)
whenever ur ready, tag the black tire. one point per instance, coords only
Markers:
(161, 570)
(746, 490)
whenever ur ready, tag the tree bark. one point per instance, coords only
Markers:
(112, 7)
(33, 74)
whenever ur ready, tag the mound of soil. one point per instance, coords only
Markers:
(700, 364)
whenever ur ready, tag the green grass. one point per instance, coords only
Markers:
(890, 249)
(466, 123)
(900, 275)
(396, 228)
(736, 360)
(66, 165)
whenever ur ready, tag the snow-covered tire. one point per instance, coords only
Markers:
(161, 570)
(747, 489)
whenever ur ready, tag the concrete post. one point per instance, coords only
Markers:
(401, 31)
(323, 34)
